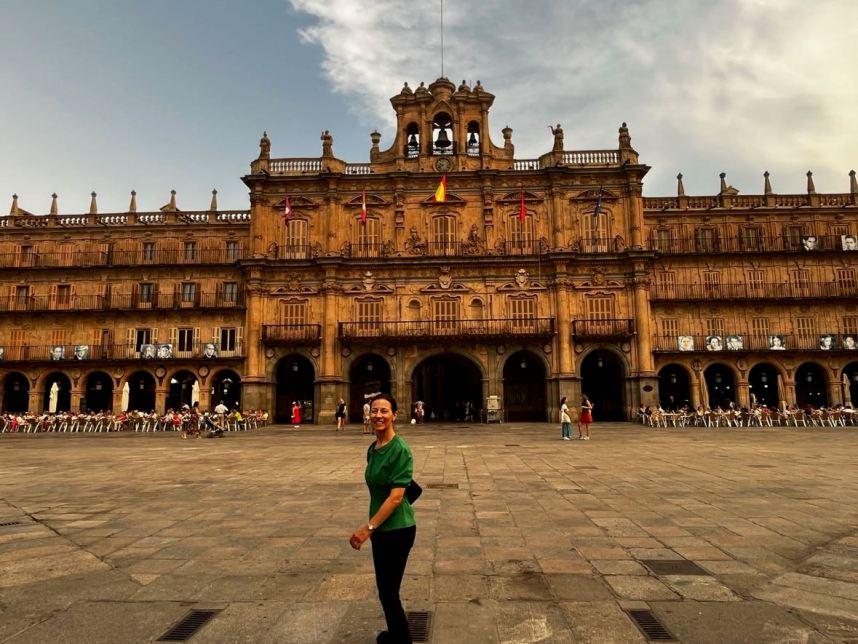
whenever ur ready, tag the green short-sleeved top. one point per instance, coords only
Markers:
(386, 468)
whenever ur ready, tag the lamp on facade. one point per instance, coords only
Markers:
(809, 377)
(764, 378)
(369, 366)
(523, 363)
(673, 378)
(294, 366)
(717, 378)
(599, 362)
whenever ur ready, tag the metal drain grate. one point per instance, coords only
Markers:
(649, 625)
(512, 445)
(188, 627)
(8, 523)
(420, 625)
(674, 567)
(443, 486)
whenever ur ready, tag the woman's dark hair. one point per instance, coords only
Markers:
(388, 398)
(563, 400)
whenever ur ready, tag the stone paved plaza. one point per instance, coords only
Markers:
(541, 541)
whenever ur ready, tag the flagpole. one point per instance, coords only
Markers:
(442, 38)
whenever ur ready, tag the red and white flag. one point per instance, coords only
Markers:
(522, 211)
(287, 210)
(363, 207)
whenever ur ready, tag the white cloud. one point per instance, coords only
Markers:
(739, 85)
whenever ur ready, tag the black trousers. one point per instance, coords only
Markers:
(389, 556)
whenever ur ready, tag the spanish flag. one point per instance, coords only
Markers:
(363, 207)
(441, 192)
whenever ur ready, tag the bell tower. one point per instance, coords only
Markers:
(442, 128)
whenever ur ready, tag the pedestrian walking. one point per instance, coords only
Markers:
(565, 421)
(586, 418)
(296, 415)
(366, 425)
(391, 526)
(341, 414)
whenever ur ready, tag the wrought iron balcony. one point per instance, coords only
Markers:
(784, 291)
(81, 353)
(292, 334)
(603, 329)
(121, 302)
(434, 331)
(117, 258)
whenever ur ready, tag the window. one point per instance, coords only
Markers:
(412, 141)
(63, 297)
(230, 291)
(760, 327)
(712, 283)
(228, 338)
(792, 237)
(752, 238)
(188, 292)
(477, 309)
(232, 250)
(368, 314)
(756, 281)
(663, 240)
(368, 238)
(715, 326)
(445, 314)
(670, 327)
(22, 296)
(59, 337)
(148, 251)
(706, 240)
(27, 255)
(473, 142)
(296, 239)
(665, 283)
(523, 312)
(846, 280)
(142, 336)
(147, 292)
(850, 324)
(443, 235)
(520, 234)
(801, 279)
(190, 251)
(600, 307)
(595, 232)
(293, 312)
(186, 339)
(805, 327)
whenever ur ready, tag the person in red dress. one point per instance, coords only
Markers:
(296, 414)
(586, 417)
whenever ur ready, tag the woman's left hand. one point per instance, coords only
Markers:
(359, 537)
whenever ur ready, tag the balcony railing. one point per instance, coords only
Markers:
(736, 341)
(611, 328)
(121, 302)
(154, 257)
(738, 244)
(749, 201)
(408, 332)
(783, 291)
(78, 353)
(292, 334)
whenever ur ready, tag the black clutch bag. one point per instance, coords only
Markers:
(413, 491)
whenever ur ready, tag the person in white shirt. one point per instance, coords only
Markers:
(565, 420)
(221, 410)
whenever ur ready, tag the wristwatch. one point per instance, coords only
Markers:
(370, 527)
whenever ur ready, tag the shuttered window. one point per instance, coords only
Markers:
(445, 313)
(600, 307)
(760, 327)
(805, 327)
(293, 312)
(295, 244)
(443, 235)
(846, 279)
(520, 232)
(670, 327)
(715, 326)
(368, 238)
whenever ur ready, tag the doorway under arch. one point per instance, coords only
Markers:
(181, 390)
(226, 389)
(720, 386)
(602, 379)
(849, 379)
(62, 392)
(369, 374)
(445, 382)
(524, 385)
(811, 385)
(674, 387)
(99, 392)
(295, 380)
(763, 385)
(16, 393)
(141, 391)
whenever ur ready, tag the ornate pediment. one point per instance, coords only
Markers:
(369, 284)
(593, 194)
(445, 284)
(452, 200)
(372, 201)
(297, 201)
(515, 198)
(522, 282)
(293, 286)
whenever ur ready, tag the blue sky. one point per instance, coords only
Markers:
(119, 95)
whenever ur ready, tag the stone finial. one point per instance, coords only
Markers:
(14, 209)
(264, 146)
(680, 187)
(723, 176)
(93, 206)
(767, 184)
(811, 189)
(375, 137)
(172, 204)
(853, 183)
(507, 139)
(213, 206)
(132, 207)
(54, 203)
(625, 137)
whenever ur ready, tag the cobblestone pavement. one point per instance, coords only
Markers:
(538, 540)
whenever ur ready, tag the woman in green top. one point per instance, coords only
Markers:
(389, 468)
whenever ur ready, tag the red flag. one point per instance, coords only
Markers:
(363, 207)
(287, 210)
(522, 211)
(441, 190)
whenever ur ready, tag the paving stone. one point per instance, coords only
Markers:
(638, 587)
(699, 588)
(578, 587)
(599, 622)
(619, 567)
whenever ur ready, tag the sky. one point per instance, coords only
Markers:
(115, 95)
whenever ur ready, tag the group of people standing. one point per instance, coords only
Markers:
(583, 417)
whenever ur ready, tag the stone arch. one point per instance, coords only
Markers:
(811, 385)
(62, 392)
(765, 384)
(525, 386)
(295, 381)
(445, 381)
(180, 389)
(369, 373)
(849, 383)
(720, 380)
(226, 388)
(141, 391)
(98, 392)
(16, 392)
(604, 370)
(674, 386)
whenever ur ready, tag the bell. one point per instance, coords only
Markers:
(412, 142)
(442, 141)
(472, 140)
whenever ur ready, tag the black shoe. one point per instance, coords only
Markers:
(384, 638)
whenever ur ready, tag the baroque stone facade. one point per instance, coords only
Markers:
(534, 279)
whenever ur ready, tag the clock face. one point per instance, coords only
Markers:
(443, 164)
